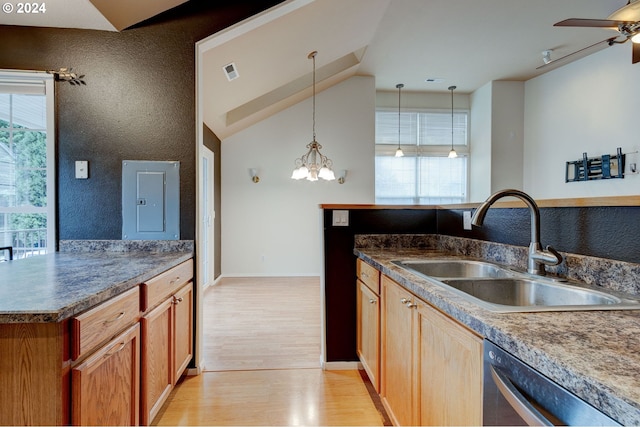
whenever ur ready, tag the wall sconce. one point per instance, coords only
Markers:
(342, 175)
(254, 175)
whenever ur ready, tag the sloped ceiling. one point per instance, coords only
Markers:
(466, 43)
(272, 59)
(106, 15)
(124, 13)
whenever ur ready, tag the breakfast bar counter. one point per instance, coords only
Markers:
(54, 287)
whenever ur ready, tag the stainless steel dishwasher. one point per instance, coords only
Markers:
(516, 394)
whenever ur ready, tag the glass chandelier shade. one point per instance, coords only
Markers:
(313, 164)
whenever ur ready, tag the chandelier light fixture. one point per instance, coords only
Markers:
(313, 164)
(399, 152)
(452, 153)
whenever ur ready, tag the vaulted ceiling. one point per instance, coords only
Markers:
(466, 43)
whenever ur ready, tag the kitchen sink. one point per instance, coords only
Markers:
(454, 268)
(500, 289)
(521, 292)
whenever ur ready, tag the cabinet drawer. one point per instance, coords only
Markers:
(163, 285)
(104, 321)
(369, 276)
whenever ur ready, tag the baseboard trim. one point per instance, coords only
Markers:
(341, 366)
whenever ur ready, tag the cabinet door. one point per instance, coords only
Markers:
(183, 329)
(450, 371)
(105, 387)
(368, 333)
(397, 354)
(157, 353)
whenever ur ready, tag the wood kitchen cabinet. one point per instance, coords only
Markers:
(397, 361)
(183, 330)
(368, 324)
(62, 368)
(105, 384)
(167, 331)
(431, 364)
(105, 387)
(450, 365)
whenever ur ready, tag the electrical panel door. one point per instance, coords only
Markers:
(150, 200)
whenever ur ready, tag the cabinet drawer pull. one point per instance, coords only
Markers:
(111, 353)
(372, 301)
(177, 300)
(364, 275)
(405, 300)
(411, 304)
(174, 280)
(118, 317)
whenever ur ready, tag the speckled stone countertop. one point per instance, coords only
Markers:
(54, 287)
(594, 354)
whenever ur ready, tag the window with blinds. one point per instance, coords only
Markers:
(27, 175)
(425, 175)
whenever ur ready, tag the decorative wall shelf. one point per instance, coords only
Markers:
(607, 166)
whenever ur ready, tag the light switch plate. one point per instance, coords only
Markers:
(82, 169)
(340, 218)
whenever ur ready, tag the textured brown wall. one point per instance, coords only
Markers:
(138, 104)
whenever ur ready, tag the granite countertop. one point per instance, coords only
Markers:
(54, 287)
(594, 354)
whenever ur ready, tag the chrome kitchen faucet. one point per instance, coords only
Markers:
(537, 257)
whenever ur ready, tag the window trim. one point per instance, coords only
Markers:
(25, 78)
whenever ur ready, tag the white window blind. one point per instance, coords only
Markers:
(425, 175)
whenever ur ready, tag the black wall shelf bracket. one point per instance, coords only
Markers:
(607, 166)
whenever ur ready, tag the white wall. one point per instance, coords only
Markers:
(507, 131)
(587, 106)
(497, 128)
(480, 144)
(273, 228)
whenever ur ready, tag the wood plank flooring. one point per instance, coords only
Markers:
(262, 323)
(300, 397)
(262, 363)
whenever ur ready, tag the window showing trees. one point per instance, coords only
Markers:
(26, 163)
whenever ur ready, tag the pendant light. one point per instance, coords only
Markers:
(452, 153)
(399, 152)
(313, 164)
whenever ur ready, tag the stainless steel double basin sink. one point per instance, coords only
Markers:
(501, 289)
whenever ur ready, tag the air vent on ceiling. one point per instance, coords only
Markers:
(231, 71)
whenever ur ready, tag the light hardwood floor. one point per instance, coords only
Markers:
(262, 323)
(262, 362)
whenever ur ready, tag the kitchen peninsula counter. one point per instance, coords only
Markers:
(57, 286)
(594, 354)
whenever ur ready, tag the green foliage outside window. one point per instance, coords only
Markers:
(23, 153)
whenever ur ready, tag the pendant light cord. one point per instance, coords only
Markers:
(399, 86)
(312, 55)
(451, 88)
(399, 89)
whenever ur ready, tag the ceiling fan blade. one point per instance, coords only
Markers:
(630, 12)
(579, 53)
(636, 52)
(596, 23)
